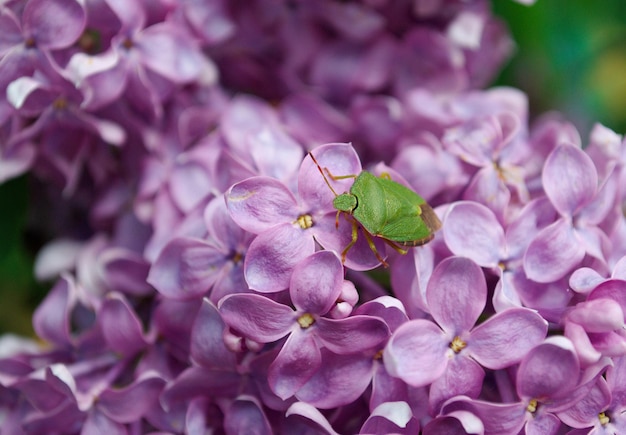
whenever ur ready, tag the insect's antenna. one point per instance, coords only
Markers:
(322, 172)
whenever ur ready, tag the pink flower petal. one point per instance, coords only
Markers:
(257, 317)
(260, 203)
(569, 179)
(553, 252)
(472, 230)
(456, 294)
(417, 353)
(506, 338)
(273, 254)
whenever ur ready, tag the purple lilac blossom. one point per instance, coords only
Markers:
(193, 252)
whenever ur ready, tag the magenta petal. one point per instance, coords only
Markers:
(198, 381)
(260, 203)
(54, 23)
(587, 353)
(417, 353)
(463, 377)
(207, 346)
(131, 403)
(616, 379)
(126, 271)
(316, 282)
(569, 179)
(498, 418)
(51, 319)
(598, 315)
(120, 325)
(553, 252)
(506, 338)
(186, 268)
(339, 159)
(352, 372)
(98, 423)
(274, 152)
(245, 416)
(11, 34)
(257, 317)
(295, 364)
(391, 417)
(17, 160)
(614, 289)
(352, 334)
(166, 50)
(29, 96)
(584, 413)
(456, 294)
(311, 418)
(65, 418)
(487, 187)
(472, 230)
(455, 423)
(386, 388)
(273, 254)
(549, 370)
(131, 14)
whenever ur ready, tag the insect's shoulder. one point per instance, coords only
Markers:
(365, 182)
(403, 193)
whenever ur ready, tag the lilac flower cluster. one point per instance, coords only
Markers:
(205, 291)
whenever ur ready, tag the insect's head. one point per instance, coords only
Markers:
(345, 202)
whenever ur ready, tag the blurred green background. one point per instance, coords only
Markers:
(571, 57)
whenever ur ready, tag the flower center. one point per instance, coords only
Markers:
(604, 419)
(532, 406)
(306, 320)
(305, 221)
(89, 41)
(457, 345)
(236, 257)
(30, 42)
(127, 44)
(60, 103)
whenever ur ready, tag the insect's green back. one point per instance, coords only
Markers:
(390, 210)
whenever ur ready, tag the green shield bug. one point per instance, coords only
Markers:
(384, 209)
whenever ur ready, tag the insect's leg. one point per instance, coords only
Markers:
(337, 219)
(398, 249)
(355, 236)
(372, 246)
(338, 177)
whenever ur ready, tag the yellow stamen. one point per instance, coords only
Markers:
(532, 406)
(237, 257)
(60, 103)
(457, 345)
(306, 320)
(305, 221)
(604, 419)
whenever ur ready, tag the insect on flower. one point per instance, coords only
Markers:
(384, 209)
